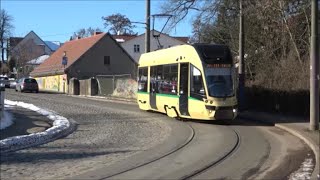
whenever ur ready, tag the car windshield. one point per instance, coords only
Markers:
(220, 82)
(30, 81)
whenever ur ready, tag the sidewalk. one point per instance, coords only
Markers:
(29, 122)
(297, 126)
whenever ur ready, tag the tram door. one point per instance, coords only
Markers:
(183, 99)
(153, 88)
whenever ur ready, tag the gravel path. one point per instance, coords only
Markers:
(107, 132)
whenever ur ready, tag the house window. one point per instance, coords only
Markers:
(106, 60)
(136, 48)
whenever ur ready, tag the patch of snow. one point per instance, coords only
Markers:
(38, 60)
(120, 40)
(6, 120)
(304, 172)
(60, 124)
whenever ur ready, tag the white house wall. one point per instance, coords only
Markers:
(165, 41)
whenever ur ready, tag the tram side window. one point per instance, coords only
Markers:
(156, 77)
(143, 79)
(197, 88)
(168, 85)
(164, 79)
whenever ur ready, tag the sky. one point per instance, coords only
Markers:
(57, 20)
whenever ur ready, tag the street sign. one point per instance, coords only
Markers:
(64, 60)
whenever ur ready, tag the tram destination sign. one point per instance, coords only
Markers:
(219, 65)
(214, 53)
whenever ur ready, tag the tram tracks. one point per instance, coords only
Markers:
(188, 161)
(189, 139)
(214, 163)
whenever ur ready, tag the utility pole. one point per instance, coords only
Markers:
(147, 34)
(314, 68)
(241, 61)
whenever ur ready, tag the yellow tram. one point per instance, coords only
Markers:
(189, 81)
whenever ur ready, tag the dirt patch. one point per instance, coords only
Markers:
(36, 130)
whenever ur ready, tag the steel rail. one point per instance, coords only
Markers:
(216, 162)
(157, 158)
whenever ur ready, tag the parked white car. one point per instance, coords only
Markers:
(13, 83)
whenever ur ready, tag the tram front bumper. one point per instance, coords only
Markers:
(223, 113)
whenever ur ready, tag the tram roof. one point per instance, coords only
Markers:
(208, 53)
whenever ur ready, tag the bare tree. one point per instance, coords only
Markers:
(5, 30)
(277, 35)
(85, 32)
(118, 23)
(91, 31)
(206, 10)
(24, 52)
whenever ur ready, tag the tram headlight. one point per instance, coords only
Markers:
(234, 110)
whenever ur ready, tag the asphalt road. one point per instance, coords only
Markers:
(118, 141)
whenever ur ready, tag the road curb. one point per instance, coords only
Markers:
(309, 142)
(106, 98)
(16, 143)
(35, 140)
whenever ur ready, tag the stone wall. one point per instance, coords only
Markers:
(126, 88)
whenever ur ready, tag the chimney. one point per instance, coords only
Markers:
(96, 33)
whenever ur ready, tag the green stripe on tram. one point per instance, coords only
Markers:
(159, 94)
(191, 98)
(168, 95)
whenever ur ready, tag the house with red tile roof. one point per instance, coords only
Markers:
(88, 57)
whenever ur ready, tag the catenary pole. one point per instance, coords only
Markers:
(241, 61)
(147, 34)
(314, 68)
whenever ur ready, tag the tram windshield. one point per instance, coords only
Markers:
(220, 82)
